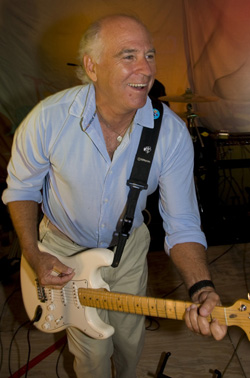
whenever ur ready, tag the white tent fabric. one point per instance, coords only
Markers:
(38, 39)
(217, 41)
(200, 44)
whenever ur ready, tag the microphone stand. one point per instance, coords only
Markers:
(191, 123)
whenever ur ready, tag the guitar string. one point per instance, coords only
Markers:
(112, 301)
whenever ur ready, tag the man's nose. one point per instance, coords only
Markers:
(146, 67)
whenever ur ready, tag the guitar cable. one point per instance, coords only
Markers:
(1, 316)
(11, 342)
(58, 359)
(35, 319)
(151, 321)
(37, 316)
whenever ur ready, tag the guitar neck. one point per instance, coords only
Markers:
(156, 307)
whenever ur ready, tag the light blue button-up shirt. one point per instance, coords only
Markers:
(60, 149)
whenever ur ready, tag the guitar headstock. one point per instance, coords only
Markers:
(239, 314)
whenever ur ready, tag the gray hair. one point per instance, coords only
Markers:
(92, 44)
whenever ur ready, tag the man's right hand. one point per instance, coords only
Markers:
(50, 271)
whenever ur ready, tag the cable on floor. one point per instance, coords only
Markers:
(1, 316)
(151, 322)
(235, 353)
(58, 359)
(12, 340)
(37, 316)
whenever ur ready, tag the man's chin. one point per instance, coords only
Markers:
(139, 103)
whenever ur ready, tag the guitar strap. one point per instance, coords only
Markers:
(139, 177)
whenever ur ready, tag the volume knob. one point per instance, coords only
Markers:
(46, 326)
(51, 307)
(49, 318)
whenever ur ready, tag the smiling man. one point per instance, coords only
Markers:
(122, 76)
(74, 154)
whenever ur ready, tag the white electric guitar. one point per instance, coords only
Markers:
(76, 304)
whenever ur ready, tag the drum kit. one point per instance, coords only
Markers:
(190, 98)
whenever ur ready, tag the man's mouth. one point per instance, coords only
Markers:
(139, 86)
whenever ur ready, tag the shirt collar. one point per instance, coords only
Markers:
(144, 116)
(84, 106)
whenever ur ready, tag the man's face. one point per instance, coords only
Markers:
(126, 70)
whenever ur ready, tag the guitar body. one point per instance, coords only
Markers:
(61, 308)
(77, 302)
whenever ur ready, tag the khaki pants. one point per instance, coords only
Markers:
(92, 357)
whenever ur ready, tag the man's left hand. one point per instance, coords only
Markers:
(196, 316)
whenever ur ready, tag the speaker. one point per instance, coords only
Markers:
(222, 174)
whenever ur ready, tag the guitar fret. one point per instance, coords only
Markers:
(175, 311)
(130, 302)
(225, 313)
(105, 304)
(164, 309)
(139, 310)
(116, 301)
(151, 307)
(118, 304)
(130, 305)
(148, 311)
(110, 303)
(161, 309)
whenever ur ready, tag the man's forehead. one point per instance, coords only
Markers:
(124, 27)
(123, 38)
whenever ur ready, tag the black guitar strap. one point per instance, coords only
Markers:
(139, 177)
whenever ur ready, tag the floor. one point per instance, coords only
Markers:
(186, 354)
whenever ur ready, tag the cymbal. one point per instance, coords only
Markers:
(188, 97)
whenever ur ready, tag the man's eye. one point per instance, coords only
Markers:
(150, 56)
(129, 57)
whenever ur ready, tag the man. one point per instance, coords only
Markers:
(78, 146)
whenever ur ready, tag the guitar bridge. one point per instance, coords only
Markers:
(41, 292)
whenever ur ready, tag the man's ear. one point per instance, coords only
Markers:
(90, 67)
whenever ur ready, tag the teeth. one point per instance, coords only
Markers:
(138, 85)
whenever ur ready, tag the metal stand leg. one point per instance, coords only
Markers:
(162, 364)
(218, 373)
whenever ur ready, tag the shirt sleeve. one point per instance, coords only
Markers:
(29, 163)
(178, 203)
